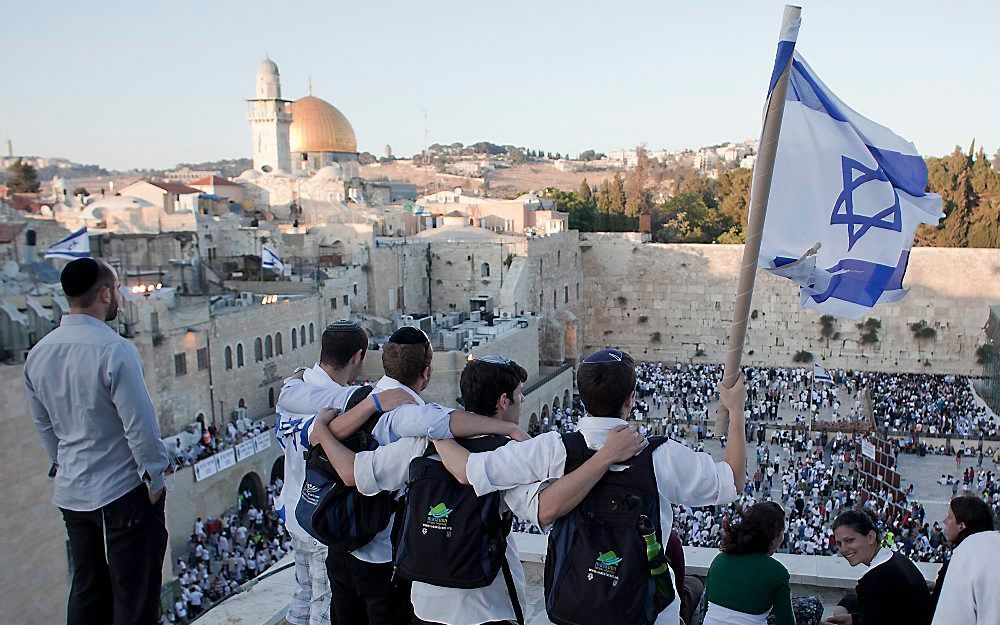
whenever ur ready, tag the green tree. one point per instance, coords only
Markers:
(617, 195)
(585, 193)
(685, 218)
(734, 195)
(516, 156)
(636, 189)
(22, 178)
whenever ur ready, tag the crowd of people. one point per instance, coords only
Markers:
(811, 475)
(226, 552)
(209, 440)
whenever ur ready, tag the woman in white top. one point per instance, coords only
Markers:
(968, 587)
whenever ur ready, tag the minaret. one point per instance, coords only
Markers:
(269, 118)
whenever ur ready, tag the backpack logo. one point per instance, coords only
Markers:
(437, 519)
(606, 565)
(310, 493)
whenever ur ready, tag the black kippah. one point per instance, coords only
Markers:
(408, 335)
(78, 276)
(344, 325)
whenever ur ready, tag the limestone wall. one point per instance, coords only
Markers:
(668, 302)
(35, 574)
(254, 382)
(398, 280)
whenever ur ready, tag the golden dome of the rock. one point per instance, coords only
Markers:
(317, 126)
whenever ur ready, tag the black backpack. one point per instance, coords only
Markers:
(596, 570)
(337, 515)
(449, 537)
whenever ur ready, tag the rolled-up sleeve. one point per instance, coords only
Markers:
(517, 464)
(387, 467)
(135, 408)
(523, 502)
(430, 421)
(692, 478)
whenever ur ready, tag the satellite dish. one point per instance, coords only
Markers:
(265, 168)
(11, 269)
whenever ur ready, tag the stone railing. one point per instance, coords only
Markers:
(829, 577)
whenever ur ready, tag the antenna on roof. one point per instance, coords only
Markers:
(310, 86)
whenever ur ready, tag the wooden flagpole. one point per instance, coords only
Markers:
(763, 170)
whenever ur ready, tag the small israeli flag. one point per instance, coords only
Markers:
(270, 260)
(821, 375)
(71, 247)
(846, 199)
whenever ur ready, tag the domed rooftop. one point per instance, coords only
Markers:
(331, 172)
(317, 126)
(267, 66)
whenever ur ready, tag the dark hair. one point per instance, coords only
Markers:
(974, 512)
(754, 529)
(105, 278)
(406, 361)
(483, 383)
(604, 386)
(340, 345)
(861, 521)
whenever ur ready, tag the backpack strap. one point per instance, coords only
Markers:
(577, 451)
(508, 578)
(483, 443)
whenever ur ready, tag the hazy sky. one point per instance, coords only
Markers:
(142, 84)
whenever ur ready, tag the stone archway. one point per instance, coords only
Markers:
(278, 469)
(251, 492)
(533, 426)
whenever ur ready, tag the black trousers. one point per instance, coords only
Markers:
(117, 555)
(362, 593)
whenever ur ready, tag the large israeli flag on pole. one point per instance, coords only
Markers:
(71, 247)
(270, 260)
(846, 198)
(820, 374)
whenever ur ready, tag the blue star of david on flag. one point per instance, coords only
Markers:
(71, 247)
(858, 225)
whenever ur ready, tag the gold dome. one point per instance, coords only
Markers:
(317, 126)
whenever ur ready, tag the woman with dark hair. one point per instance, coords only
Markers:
(970, 591)
(891, 591)
(745, 583)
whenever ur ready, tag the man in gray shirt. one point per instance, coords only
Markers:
(90, 405)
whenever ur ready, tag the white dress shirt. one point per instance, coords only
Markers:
(387, 468)
(409, 420)
(92, 410)
(315, 391)
(970, 594)
(683, 476)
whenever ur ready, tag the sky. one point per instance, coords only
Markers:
(148, 85)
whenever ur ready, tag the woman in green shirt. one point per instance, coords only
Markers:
(745, 583)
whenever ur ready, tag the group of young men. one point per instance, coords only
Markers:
(539, 479)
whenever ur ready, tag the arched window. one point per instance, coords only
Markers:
(239, 355)
(294, 339)
(268, 346)
(484, 270)
(312, 335)
(258, 350)
(278, 348)
(229, 358)
(270, 397)
(302, 336)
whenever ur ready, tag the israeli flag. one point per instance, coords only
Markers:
(71, 247)
(846, 198)
(270, 260)
(821, 375)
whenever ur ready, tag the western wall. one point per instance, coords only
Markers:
(674, 303)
